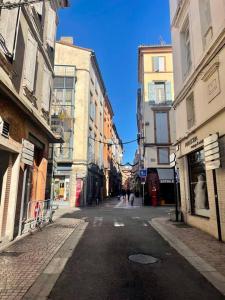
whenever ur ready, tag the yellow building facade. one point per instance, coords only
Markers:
(155, 115)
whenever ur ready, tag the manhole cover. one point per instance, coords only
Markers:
(143, 259)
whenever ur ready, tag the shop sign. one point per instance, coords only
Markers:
(193, 142)
(212, 152)
(166, 181)
(27, 155)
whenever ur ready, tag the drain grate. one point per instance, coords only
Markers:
(143, 259)
(10, 254)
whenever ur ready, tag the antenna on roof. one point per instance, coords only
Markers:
(161, 40)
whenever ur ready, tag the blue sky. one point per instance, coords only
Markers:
(114, 29)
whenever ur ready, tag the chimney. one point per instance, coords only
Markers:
(67, 40)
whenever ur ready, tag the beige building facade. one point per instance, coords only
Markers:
(155, 117)
(86, 160)
(198, 37)
(26, 75)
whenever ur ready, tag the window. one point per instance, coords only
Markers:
(158, 63)
(159, 92)
(190, 111)
(161, 127)
(163, 155)
(186, 49)
(206, 22)
(198, 184)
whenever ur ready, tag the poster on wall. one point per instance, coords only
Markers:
(79, 189)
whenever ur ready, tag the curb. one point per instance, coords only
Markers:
(45, 282)
(209, 272)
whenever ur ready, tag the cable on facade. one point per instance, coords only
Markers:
(117, 144)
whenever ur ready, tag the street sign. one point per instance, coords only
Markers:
(212, 165)
(143, 173)
(143, 180)
(211, 146)
(211, 139)
(212, 152)
(27, 155)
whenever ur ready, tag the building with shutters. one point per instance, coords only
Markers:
(27, 38)
(198, 38)
(155, 118)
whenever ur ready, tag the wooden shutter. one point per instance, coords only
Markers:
(51, 27)
(205, 15)
(155, 62)
(168, 91)
(30, 61)
(46, 89)
(151, 91)
(38, 7)
(8, 27)
(161, 62)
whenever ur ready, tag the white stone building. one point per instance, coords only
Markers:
(198, 38)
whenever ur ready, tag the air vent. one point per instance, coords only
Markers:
(4, 129)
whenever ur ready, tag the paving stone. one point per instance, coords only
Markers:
(35, 252)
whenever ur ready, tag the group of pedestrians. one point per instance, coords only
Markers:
(128, 196)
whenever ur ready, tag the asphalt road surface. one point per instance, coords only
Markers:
(99, 268)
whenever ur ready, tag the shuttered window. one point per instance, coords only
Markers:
(38, 7)
(206, 21)
(30, 62)
(161, 127)
(46, 89)
(158, 63)
(190, 111)
(51, 27)
(8, 20)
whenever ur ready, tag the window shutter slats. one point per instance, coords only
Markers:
(168, 91)
(30, 58)
(155, 64)
(161, 61)
(8, 27)
(51, 27)
(151, 91)
(46, 89)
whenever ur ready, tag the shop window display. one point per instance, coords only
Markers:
(198, 184)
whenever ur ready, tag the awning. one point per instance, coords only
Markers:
(166, 175)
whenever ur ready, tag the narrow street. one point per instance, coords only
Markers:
(100, 269)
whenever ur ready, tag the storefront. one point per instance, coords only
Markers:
(198, 198)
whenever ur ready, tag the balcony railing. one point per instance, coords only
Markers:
(160, 103)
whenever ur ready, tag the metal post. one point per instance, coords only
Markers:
(143, 199)
(22, 200)
(175, 193)
(52, 177)
(217, 206)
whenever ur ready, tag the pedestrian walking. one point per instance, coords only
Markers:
(131, 198)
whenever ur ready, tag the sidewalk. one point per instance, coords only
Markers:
(24, 260)
(203, 251)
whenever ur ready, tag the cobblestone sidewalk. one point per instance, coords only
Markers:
(22, 262)
(202, 250)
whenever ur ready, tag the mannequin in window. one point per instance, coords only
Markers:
(200, 195)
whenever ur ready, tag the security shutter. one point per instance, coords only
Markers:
(30, 62)
(51, 27)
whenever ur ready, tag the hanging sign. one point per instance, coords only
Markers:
(27, 155)
(172, 160)
(212, 152)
